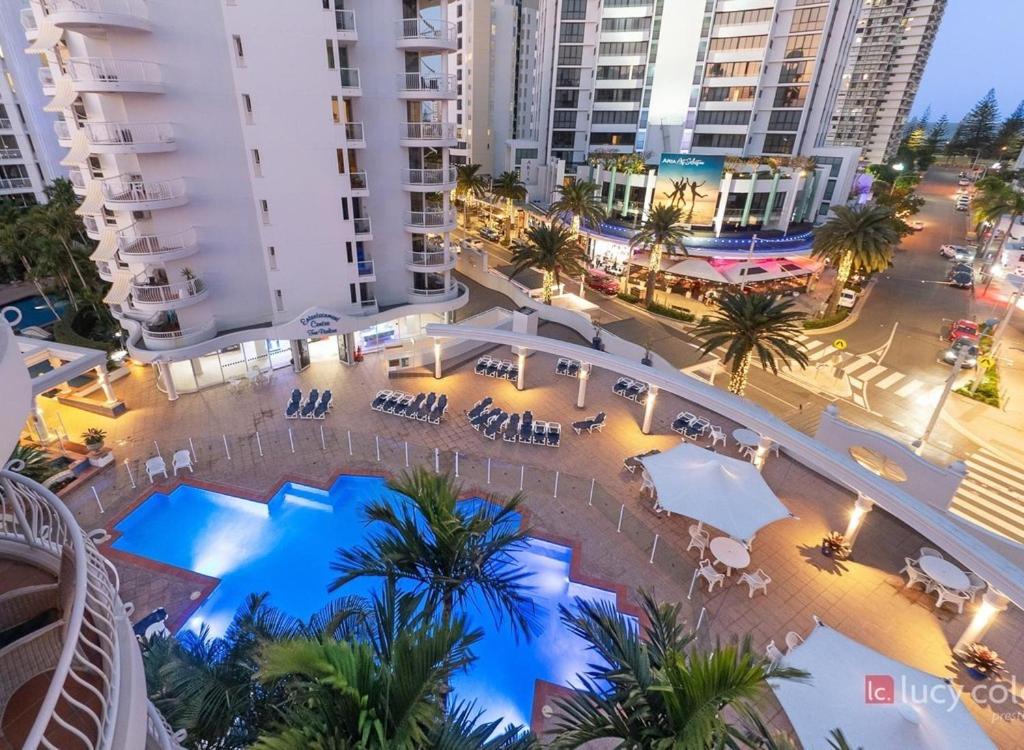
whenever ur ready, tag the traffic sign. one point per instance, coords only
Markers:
(987, 362)
(839, 344)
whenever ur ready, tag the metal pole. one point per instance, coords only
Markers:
(456, 463)
(323, 440)
(653, 548)
(259, 444)
(622, 512)
(96, 495)
(192, 448)
(407, 454)
(522, 472)
(590, 501)
(488, 470)
(750, 257)
(376, 442)
(226, 446)
(157, 446)
(349, 441)
(689, 594)
(556, 484)
(437, 460)
(960, 357)
(130, 477)
(291, 440)
(700, 618)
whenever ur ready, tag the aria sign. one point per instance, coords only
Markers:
(320, 323)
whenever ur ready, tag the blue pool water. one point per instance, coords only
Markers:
(35, 312)
(285, 547)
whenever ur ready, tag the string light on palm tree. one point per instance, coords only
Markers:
(553, 252)
(662, 230)
(469, 185)
(578, 200)
(510, 188)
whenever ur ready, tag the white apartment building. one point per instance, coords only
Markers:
(887, 59)
(29, 155)
(268, 182)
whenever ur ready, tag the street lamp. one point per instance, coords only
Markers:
(897, 168)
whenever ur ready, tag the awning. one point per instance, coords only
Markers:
(93, 201)
(739, 272)
(107, 248)
(79, 150)
(698, 269)
(46, 40)
(876, 701)
(63, 98)
(119, 289)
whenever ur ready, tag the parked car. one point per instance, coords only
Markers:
(471, 243)
(490, 234)
(963, 181)
(964, 329)
(917, 225)
(602, 282)
(959, 253)
(961, 275)
(962, 344)
(847, 298)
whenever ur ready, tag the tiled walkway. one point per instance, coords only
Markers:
(863, 598)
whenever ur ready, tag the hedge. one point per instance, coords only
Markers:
(670, 312)
(988, 391)
(832, 320)
(627, 297)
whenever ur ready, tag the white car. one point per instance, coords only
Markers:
(847, 298)
(471, 243)
(917, 226)
(958, 252)
(963, 182)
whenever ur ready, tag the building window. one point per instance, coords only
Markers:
(564, 118)
(728, 93)
(723, 117)
(257, 165)
(796, 72)
(341, 160)
(278, 300)
(622, 48)
(719, 140)
(737, 17)
(239, 51)
(790, 96)
(571, 33)
(568, 77)
(803, 45)
(574, 10)
(336, 110)
(272, 258)
(618, 95)
(330, 54)
(265, 211)
(612, 139)
(785, 119)
(247, 108)
(737, 42)
(809, 19)
(569, 54)
(627, 23)
(778, 144)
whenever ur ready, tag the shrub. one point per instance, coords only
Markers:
(988, 389)
(839, 317)
(669, 312)
(64, 333)
(627, 297)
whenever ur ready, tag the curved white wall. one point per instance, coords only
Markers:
(17, 392)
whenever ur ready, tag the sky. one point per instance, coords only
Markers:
(977, 48)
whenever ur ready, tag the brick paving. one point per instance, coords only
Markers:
(863, 597)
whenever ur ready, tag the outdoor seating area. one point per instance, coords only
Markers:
(632, 463)
(940, 577)
(423, 407)
(630, 389)
(156, 466)
(691, 426)
(315, 406)
(496, 368)
(513, 427)
(590, 424)
(570, 368)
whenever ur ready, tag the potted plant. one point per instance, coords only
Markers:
(93, 439)
(834, 545)
(982, 662)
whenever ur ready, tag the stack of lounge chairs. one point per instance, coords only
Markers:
(593, 423)
(423, 407)
(512, 428)
(690, 425)
(315, 406)
(496, 368)
(631, 463)
(568, 367)
(634, 390)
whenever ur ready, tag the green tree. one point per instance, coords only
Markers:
(995, 199)
(753, 324)
(555, 252)
(937, 133)
(509, 188)
(469, 185)
(862, 237)
(662, 230)
(977, 131)
(1010, 137)
(652, 688)
(579, 200)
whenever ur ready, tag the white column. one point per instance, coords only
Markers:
(521, 377)
(861, 508)
(790, 204)
(722, 200)
(761, 454)
(581, 394)
(164, 371)
(39, 423)
(652, 396)
(101, 375)
(437, 358)
(992, 603)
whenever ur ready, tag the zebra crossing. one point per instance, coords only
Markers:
(992, 495)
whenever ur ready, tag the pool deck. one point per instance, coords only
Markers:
(597, 507)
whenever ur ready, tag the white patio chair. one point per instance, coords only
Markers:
(773, 653)
(717, 435)
(181, 460)
(915, 574)
(930, 552)
(648, 485)
(793, 640)
(154, 466)
(956, 598)
(976, 587)
(709, 574)
(756, 580)
(699, 538)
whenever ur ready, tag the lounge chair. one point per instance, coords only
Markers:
(320, 412)
(621, 386)
(503, 368)
(481, 365)
(540, 433)
(417, 402)
(181, 460)
(511, 432)
(598, 422)
(326, 398)
(435, 414)
(574, 370)
(632, 462)
(482, 418)
(379, 400)
(403, 409)
(554, 434)
(492, 368)
(424, 410)
(479, 407)
(310, 405)
(293, 408)
(526, 428)
(392, 402)
(495, 425)
(562, 367)
(583, 424)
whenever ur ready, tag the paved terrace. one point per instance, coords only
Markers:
(864, 598)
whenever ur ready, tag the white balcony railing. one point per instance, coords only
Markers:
(123, 8)
(77, 178)
(15, 183)
(28, 21)
(435, 218)
(158, 339)
(129, 134)
(434, 177)
(428, 131)
(427, 83)
(362, 226)
(109, 70)
(63, 131)
(357, 181)
(422, 29)
(452, 290)
(349, 78)
(121, 190)
(354, 132)
(155, 294)
(134, 246)
(430, 258)
(10, 153)
(46, 78)
(345, 21)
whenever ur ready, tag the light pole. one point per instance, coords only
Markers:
(961, 355)
(897, 168)
(750, 257)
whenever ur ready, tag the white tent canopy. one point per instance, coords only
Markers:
(697, 268)
(723, 492)
(925, 713)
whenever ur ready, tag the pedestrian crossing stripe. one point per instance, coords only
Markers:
(909, 388)
(889, 380)
(873, 373)
(992, 495)
(857, 364)
(821, 353)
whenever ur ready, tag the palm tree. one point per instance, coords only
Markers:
(862, 237)
(762, 324)
(469, 185)
(447, 550)
(662, 230)
(994, 200)
(509, 187)
(553, 251)
(579, 200)
(655, 688)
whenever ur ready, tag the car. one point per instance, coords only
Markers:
(491, 234)
(961, 206)
(964, 329)
(961, 276)
(959, 253)
(963, 181)
(917, 225)
(471, 243)
(602, 282)
(966, 345)
(847, 298)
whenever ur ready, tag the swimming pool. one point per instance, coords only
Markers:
(35, 311)
(285, 546)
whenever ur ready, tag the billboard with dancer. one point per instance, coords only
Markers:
(690, 183)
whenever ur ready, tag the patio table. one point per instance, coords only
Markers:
(746, 438)
(944, 572)
(730, 553)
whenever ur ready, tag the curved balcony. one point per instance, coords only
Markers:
(430, 261)
(437, 220)
(123, 194)
(427, 35)
(350, 84)
(168, 296)
(429, 179)
(130, 137)
(159, 338)
(28, 23)
(363, 228)
(15, 183)
(97, 16)
(107, 75)
(417, 295)
(63, 131)
(152, 248)
(426, 86)
(354, 136)
(47, 81)
(436, 134)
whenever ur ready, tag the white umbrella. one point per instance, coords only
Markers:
(697, 268)
(876, 701)
(724, 492)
